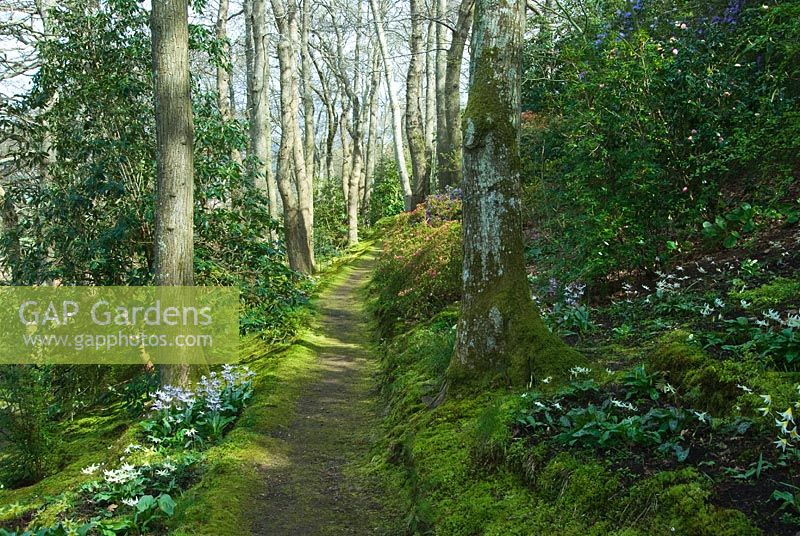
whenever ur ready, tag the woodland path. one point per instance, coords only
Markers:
(320, 490)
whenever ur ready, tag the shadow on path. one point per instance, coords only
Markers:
(314, 491)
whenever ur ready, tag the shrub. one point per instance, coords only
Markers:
(419, 272)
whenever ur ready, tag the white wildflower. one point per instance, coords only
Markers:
(91, 469)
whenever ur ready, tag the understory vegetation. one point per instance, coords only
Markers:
(662, 244)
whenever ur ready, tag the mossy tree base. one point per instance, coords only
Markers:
(502, 339)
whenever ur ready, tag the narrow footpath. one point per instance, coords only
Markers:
(319, 489)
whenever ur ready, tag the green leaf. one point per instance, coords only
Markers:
(166, 504)
(730, 241)
(145, 503)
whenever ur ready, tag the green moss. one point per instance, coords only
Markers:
(778, 292)
(531, 351)
(98, 437)
(707, 384)
(222, 502)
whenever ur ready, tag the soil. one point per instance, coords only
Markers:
(322, 489)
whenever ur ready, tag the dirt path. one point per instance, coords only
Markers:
(318, 490)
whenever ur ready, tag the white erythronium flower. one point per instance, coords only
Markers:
(548, 379)
(744, 388)
(576, 371)
(772, 315)
(783, 425)
(744, 303)
(667, 388)
(706, 310)
(767, 399)
(91, 469)
(782, 443)
(793, 321)
(133, 501)
(132, 448)
(624, 405)
(702, 416)
(788, 415)
(719, 303)
(763, 411)
(191, 432)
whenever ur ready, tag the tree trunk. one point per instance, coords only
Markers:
(223, 73)
(441, 70)
(500, 334)
(309, 149)
(430, 93)
(258, 110)
(174, 212)
(347, 153)
(372, 135)
(224, 87)
(293, 183)
(397, 127)
(449, 147)
(414, 127)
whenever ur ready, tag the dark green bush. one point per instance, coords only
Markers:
(656, 117)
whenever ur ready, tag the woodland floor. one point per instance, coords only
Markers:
(320, 488)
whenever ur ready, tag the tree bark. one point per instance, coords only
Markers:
(293, 183)
(372, 135)
(397, 127)
(223, 73)
(415, 131)
(309, 148)
(174, 212)
(430, 93)
(258, 110)
(500, 334)
(449, 147)
(441, 70)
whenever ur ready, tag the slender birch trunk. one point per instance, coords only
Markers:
(397, 127)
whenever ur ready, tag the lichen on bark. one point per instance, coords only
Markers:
(500, 333)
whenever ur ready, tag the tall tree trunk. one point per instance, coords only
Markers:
(347, 152)
(332, 120)
(430, 93)
(414, 127)
(372, 135)
(397, 126)
(449, 148)
(500, 334)
(258, 109)
(293, 183)
(223, 73)
(441, 70)
(309, 148)
(224, 86)
(174, 241)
